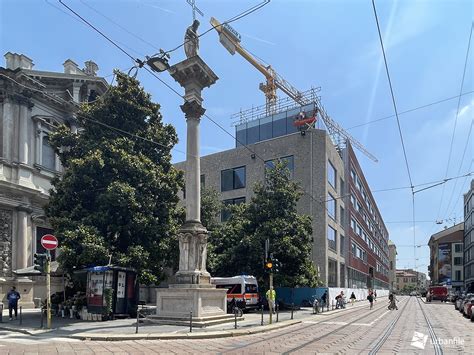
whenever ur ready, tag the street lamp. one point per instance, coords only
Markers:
(159, 63)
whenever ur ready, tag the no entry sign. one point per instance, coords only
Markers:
(49, 242)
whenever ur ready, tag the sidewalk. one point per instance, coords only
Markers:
(124, 329)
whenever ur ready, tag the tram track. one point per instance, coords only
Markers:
(299, 329)
(434, 339)
(333, 331)
(388, 330)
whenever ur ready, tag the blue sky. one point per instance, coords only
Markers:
(329, 44)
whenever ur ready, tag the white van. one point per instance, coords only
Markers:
(242, 291)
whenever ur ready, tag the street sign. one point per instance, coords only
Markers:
(49, 242)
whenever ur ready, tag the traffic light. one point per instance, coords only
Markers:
(269, 265)
(40, 262)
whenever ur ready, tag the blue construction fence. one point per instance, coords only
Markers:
(299, 295)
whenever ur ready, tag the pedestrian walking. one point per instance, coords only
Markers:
(353, 298)
(370, 298)
(324, 298)
(375, 295)
(271, 297)
(13, 296)
(392, 302)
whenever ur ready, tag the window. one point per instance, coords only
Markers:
(341, 216)
(353, 224)
(341, 245)
(353, 249)
(331, 206)
(40, 231)
(48, 158)
(332, 238)
(341, 187)
(353, 175)
(458, 260)
(289, 162)
(232, 179)
(353, 200)
(457, 248)
(359, 230)
(203, 181)
(457, 275)
(359, 185)
(225, 212)
(332, 175)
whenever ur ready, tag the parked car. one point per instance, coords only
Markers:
(467, 311)
(465, 299)
(437, 293)
(457, 304)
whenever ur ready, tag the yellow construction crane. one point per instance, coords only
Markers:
(230, 39)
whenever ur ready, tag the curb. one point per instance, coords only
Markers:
(23, 330)
(172, 336)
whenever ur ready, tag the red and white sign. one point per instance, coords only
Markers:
(49, 242)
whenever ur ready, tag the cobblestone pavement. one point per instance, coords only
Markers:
(353, 331)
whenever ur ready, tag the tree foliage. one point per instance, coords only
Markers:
(238, 245)
(118, 196)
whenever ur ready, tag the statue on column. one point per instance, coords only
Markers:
(191, 40)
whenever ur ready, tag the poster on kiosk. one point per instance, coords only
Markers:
(123, 283)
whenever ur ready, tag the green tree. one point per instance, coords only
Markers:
(238, 246)
(118, 195)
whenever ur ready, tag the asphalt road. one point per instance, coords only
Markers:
(416, 328)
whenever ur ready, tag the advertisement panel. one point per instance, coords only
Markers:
(444, 263)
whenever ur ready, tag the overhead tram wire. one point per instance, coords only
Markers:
(410, 110)
(119, 25)
(455, 125)
(432, 183)
(399, 128)
(392, 94)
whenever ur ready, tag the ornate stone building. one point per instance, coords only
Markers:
(32, 104)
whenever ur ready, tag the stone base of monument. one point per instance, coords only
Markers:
(207, 304)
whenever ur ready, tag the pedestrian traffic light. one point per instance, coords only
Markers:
(40, 262)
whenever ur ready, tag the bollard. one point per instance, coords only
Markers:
(277, 307)
(21, 315)
(292, 306)
(262, 315)
(332, 307)
(235, 317)
(1, 312)
(138, 317)
(191, 321)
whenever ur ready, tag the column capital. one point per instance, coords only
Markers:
(192, 109)
(24, 208)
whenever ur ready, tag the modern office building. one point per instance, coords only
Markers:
(469, 239)
(446, 257)
(368, 260)
(318, 166)
(392, 259)
(410, 280)
(32, 104)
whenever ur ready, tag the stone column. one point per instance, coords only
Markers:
(193, 75)
(192, 290)
(23, 137)
(22, 238)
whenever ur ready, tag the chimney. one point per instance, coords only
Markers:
(14, 61)
(70, 67)
(91, 68)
